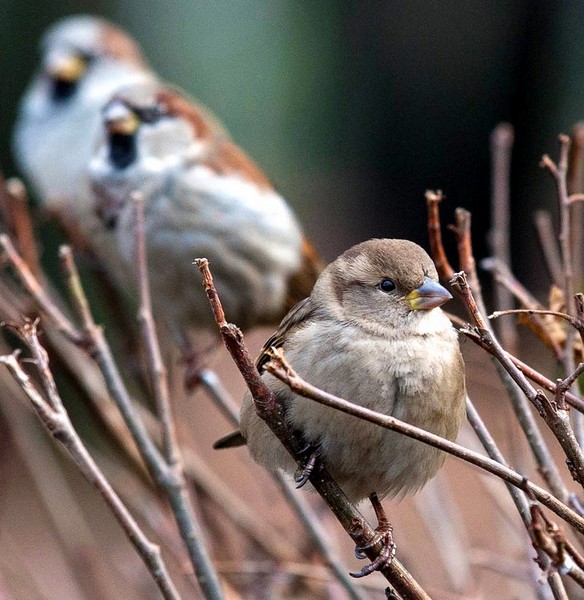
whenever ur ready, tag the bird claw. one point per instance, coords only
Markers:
(303, 475)
(384, 535)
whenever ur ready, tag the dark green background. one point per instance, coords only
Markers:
(354, 108)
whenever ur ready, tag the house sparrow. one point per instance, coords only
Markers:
(370, 332)
(203, 196)
(84, 60)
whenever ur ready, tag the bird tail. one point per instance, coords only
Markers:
(231, 440)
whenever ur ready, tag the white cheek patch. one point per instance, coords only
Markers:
(432, 322)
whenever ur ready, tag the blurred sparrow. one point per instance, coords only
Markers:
(371, 332)
(203, 196)
(84, 60)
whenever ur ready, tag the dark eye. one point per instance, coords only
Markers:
(387, 285)
(149, 114)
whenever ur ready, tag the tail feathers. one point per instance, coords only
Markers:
(231, 440)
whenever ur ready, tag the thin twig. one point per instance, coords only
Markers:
(503, 275)
(55, 418)
(556, 418)
(575, 322)
(559, 173)
(519, 403)
(443, 267)
(440, 512)
(517, 495)
(319, 536)
(575, 171)
(269, 409)
(22, 224)
(499, 235)
(219, 395)
(158, 373)
(37, 291)
(544, 382)
(170, 480)
(186, 519)
(280, 368)
(549, 245)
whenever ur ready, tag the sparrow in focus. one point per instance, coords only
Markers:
(84, 60)
(203, 196)
(371, 332)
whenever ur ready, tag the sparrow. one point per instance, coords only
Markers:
(84, 60)
(203, 196)
(371, 332)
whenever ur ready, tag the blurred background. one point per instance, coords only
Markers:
(355, 108)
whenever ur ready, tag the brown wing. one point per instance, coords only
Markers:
(302, 281)
(225, 156)
(294, 319)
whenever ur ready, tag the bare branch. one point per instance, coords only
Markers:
(556, 418)
(443, 267)
(549, 245)
(279, 367)
(55, 418)
(37, 291)
(270, 409)
(501, 146)
(22, 224)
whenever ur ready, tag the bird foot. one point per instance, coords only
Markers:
(383, 535)
(303, 474)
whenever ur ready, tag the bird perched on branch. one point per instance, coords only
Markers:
(84, 60)
(371, 332)
(203, 196)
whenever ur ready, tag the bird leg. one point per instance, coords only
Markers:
(384, 534)
(313, 453)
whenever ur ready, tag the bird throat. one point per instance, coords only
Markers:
(63, 89)
(122, 149)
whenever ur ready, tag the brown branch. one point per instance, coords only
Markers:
(501, 146)
(543, 381)
(503, 275)
(37, 291)
(549, 245)
(280, 368)
(54, 416)
(559, 173)
(158, 373)
(443, 267)
(22, 224)
(273, 413)
(556, 418)
(519, 404)
(575, 171)
(548, 537)
(165, 476)
(298, 503)
(576, 322)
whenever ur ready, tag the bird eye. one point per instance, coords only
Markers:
(149, 114)
(387, 285)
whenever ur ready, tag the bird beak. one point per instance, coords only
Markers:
(65, 66)
(429, 295)
(120, 120)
